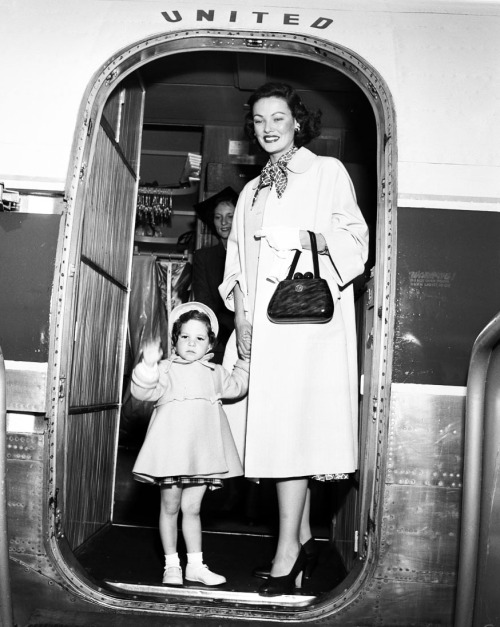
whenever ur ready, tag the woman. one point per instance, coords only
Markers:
(208, 263)
(302, 399)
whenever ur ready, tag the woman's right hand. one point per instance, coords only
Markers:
(243, 338)
(151, 353)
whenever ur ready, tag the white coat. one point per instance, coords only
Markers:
(303, 395)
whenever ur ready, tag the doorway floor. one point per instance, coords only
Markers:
(239, 529)
(133, 555)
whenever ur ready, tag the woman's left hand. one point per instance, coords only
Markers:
(306, 241)
(281, 237)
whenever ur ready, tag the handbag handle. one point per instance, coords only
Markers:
(314, 251)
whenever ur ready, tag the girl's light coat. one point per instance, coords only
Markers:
(189, 433)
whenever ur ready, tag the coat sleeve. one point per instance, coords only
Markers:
(147, 383)
(234, 271)
(235, 384)
(347, 234)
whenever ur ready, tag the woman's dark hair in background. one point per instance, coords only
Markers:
(309, 121)
(193, 314)
(206, 208)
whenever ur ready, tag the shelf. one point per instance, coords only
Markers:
(171, 191)
(143, 239)
(165, 153)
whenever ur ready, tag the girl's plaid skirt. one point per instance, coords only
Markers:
(211, 483)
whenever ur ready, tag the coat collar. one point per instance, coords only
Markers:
(301, 161)
(204, 361)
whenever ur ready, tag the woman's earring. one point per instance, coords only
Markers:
(297, 127)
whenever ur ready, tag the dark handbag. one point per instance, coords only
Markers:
(302, 300)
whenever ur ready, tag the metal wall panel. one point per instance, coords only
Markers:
(25, 447)
(419, 540)
(415, 604)
(25, 494)
(426, 436)
(26, 387)
(387, 603)
(421, 506)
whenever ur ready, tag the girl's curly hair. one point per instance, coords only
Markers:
(309, 121)
(192, 314)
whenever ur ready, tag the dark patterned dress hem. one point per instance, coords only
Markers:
(336, 476)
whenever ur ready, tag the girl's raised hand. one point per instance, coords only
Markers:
(151, 352)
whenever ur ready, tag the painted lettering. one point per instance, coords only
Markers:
(290, 18)
(259, 15)
(177, 16)
(201, 15)
(322, 22)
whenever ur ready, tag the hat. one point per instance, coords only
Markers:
(184, 307)
(206, 208)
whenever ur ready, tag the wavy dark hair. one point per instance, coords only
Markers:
(192, 314)
(309, 121)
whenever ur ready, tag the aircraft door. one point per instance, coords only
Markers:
(102, 276)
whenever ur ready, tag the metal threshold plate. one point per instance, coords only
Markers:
(212, 594)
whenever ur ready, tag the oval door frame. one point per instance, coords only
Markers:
(373, 86)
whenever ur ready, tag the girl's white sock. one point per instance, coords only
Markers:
(172, 559)
(195, 558)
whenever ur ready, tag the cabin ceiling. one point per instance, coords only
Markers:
(212, 87)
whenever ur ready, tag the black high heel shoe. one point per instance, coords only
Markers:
(276, 586)
(312, 555)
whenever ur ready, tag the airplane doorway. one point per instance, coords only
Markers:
(197, 98)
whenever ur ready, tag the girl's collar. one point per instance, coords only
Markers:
(205, 361)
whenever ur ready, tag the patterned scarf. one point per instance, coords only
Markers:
(275, 173)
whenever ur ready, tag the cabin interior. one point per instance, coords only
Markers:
(194, 105)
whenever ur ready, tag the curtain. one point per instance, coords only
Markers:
(157, 286)
(147, 319)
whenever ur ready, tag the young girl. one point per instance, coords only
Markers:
(188, 445)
